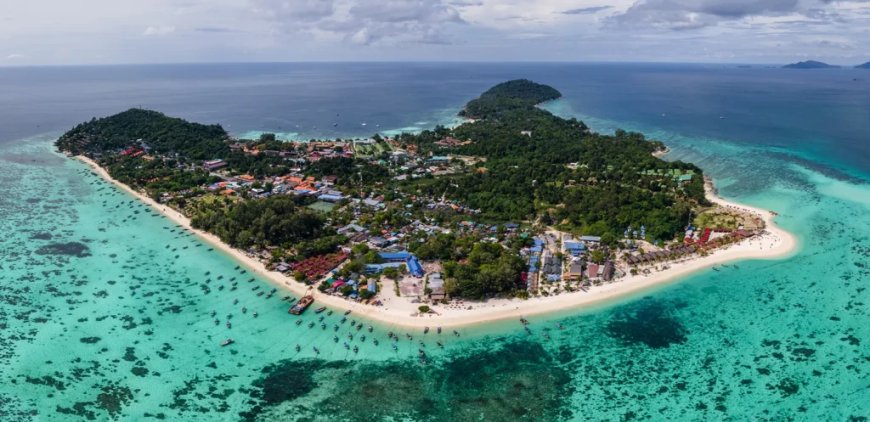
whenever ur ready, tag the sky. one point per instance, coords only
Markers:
(63, 32)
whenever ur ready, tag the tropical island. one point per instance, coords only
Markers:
(516, 211)
(810, 64)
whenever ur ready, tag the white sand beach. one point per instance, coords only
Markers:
(399, 311)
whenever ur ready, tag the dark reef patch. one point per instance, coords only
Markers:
(517, 381)
(650, 322)
(76, 249)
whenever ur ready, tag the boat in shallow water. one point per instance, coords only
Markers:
(227, 342)
(301, 305)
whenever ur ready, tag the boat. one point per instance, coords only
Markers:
(426, 330)
(227, 342)
(375, 341)
(298, 348)
(371, 328)
(346, 346)
(315, 350)
(439, 330)
(439, 344)
(422, 355)
(335, 339)
(261, 293)
(310, 324)
(217, 321)
(329, 313)
(323, 326)
(255, 314)
(396, 348)
(347, 312)
(244, 309)
(298, 322)
(320, 309)
(302, 305)
(355, 349)
(334, 327)
(362, 338)
(213, 313)
(456, 333)
(229, 325)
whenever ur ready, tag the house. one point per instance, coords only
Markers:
(575, 270)
(213, 165)
(329, 180)
(526, 133)
(593, 239)
(395, 256)
(351, 228)
(609, 270)
(573, 247)
(592, 270)
(378, 242)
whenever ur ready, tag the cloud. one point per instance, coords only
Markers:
(363, 22)
(586, 10)
(691, 14)
(14, 56)
(158, 30)
(214, 29)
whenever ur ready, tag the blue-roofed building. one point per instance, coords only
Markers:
(395, 256)
(372, 286)
(376, 268)
(573, 247)
(595, 239)
(328, 197)
(414, 267)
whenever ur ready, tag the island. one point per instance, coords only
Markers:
(863, 66)
(514, 212)
(810, 64)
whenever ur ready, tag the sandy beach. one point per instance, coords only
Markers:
(774, 243)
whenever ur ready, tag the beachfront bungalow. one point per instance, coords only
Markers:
(575, 270)
(592, 270)
(609, 271)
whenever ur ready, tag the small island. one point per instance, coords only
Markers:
(514, 212)
(863, 66)
(810, 64)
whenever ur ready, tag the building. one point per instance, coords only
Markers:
(609, 271)
(573, 247)
(575, 270)
(593, 239)
(329, 197)
(213, 165)
(592, 270)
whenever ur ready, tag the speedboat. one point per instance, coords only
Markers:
(227, 342)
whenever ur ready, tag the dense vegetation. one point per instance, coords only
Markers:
(273, 221)
(540, 166)
(160, 133)
(520, 94)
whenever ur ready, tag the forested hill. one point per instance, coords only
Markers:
(158, 132)
(518, 94)
(541, 166)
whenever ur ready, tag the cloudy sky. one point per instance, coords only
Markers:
(172, 31)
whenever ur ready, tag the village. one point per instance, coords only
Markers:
(376, 260)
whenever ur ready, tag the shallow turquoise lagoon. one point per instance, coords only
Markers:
(106, 312)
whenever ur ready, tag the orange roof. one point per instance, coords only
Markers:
(246, 177)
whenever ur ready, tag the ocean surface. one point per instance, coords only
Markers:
(106, 308)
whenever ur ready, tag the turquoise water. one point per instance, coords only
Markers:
(106, 314)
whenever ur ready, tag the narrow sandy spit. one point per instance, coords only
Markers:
(775, 243)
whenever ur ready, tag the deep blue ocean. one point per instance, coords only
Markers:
(105, 306)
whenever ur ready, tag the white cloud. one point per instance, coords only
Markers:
(158, 30)
(14, 56)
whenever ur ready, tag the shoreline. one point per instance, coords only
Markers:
(775, 243)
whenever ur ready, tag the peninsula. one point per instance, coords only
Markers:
(514, 212)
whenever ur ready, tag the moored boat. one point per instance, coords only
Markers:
(301, 305)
